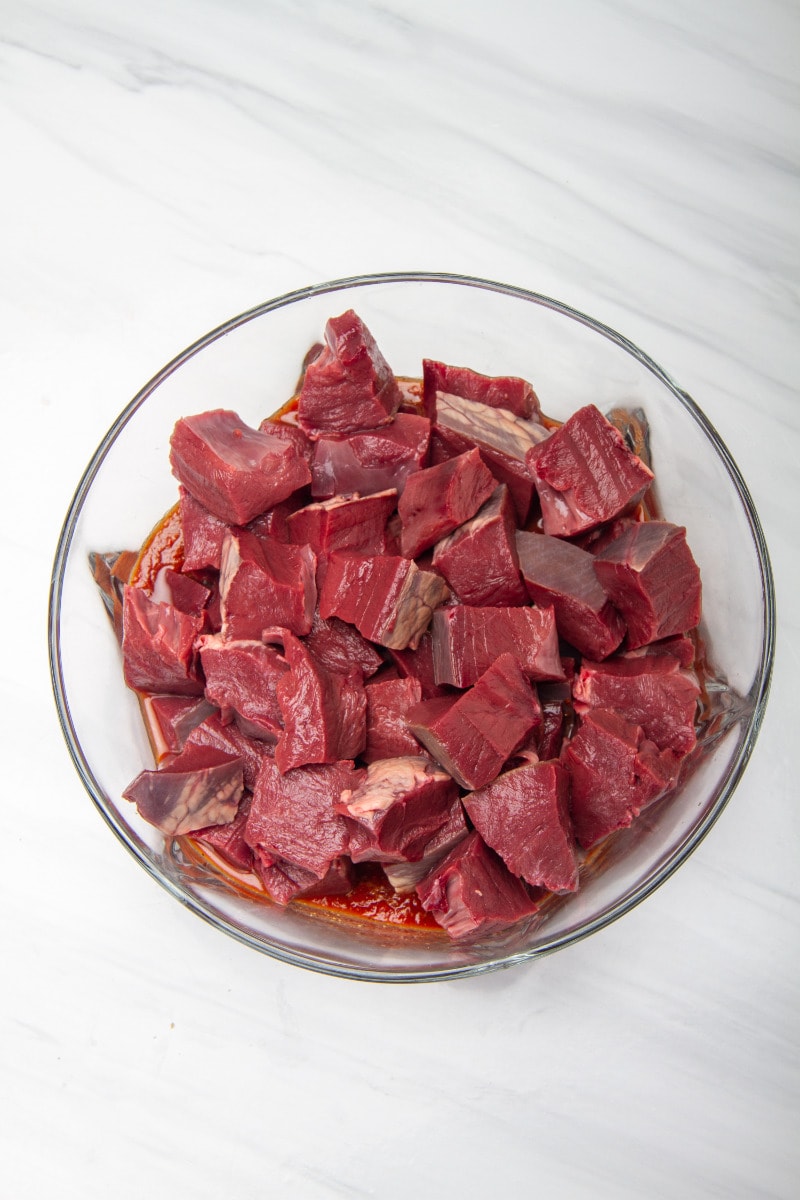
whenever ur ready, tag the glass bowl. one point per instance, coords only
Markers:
(251, 364)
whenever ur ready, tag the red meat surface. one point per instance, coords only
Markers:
(373, 460)
(265, 583)
(338, 646)
(652, 691)
(466, 641)
(479, 559)
(404, 876)
(388, 598)
(241, 679)
(355, 523)
(158, 651)
(200, 787)
(438, 499)
(388, 703)
(397, 808)
(214, 734)
(498, 391)
(203, 534)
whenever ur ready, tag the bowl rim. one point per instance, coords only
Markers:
(757, 696)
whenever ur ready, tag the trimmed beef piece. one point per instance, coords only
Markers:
(473, 735)
(438, 499)
(293, 816)
(283, 881)
(228, 840)
(603, 535)
(373, 460)
(498, 391)
(274, 524)
(387, 598)
(651, 691)
(524, 816)
(241, 679)
(200, 787)
(399, 805)
(417, 664)
(265, 583)
(560, 574)
(404, 876)
(355, 523)
(170, 720)
(503, 440)
(653, 580)
(203, 534)
(338, 646)
(158, 646)
(680, 647)
(287, 431)
(585, 474)
(214, 734)
(615, 773)
(349, 385)
(324, 713)
(181, 591)
(466, 641)
(479, 559)
(234, 471)
(471, 891)
(388, 702)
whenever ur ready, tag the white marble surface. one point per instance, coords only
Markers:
(166, 165)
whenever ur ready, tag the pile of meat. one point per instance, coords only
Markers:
(419, 626)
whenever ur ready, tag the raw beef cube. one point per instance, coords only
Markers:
(466, 641)
(585, 474)
(228, 840)
(216, 735)
(404, 876)
(651, 691)
(438, 499)
(283, 881)
(324, 713)
(293, 816)
(374, 460)
(355, 523)
(158, 646)
(203, 534)
(680, 647)
(503, 439)
(287, 431)
(615, 773)
(524, 816)
(200, 787)
(241, 679)
(560, 574)
(653, 580)
(338, 646)
(181, 591)
(350, 385)
(274, 523)
(499, 391)
(387, 598)
(471, 891)
(234, 471)
(473, 735)
(388, 702)
(399, 805)
(417, 664)
(264, 583)
(479, 559)
(170, 720)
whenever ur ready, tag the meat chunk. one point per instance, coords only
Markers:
(284, 882)
(417, 664)
(264, 583)
(181, 591)
(473, 734)
(438, 499)
(170, 720)
(214, 734)
(350, 385)
(651, 690)
(466, 641)
(228, 840)
(404, 876)
(387, 597)
(339, 647)
(498, 391)
(471, 891)
(559, 574)
(615, 772)
(234, 471)
(479, 559)
(200, 787)
(241, 679)
(203, 534)
(585, 474)
(355, 523)
(388, 703)
(374, 460)
(158, 646)
(524, 816)
(399, 805)
(653, 580)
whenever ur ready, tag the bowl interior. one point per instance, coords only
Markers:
(251, 365)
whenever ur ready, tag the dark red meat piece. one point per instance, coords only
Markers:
(615, 772)
(228, 840)
(241, 679)
(498, 391)
(388, 598)
(203, 534)
(466, 641)
(158, 646)
(651, 691)
(524, 816)
(399, 805)
(438, 499)
(213, 733)
(200, 787)
(585, 474)
(473, 735)
(181, 591)
(471, 891)
(338, 646)
(479, 559)
(355, 523)
(284, 881)
(653, 580)
(234, 471)
(562, 575)
(404, 876)
(373, 460)
(287, 431)
(417, 664)
(170, 720)
(388, 702)
(264, 583)
(350, 385)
